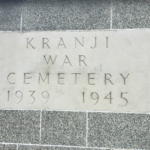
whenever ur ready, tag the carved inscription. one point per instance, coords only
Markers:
(44, 78)
(89, 78)
(77, 43)
(97, 71)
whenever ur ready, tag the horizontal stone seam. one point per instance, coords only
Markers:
(110, 112)
(96, 30)
(65, 146)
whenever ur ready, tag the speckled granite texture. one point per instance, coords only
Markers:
(131, 14)
(117, 130)
(44, 15)
(19, 126)
(8, 147)
(100, 130)
(66, 14)
(64, 128)
(10, 15)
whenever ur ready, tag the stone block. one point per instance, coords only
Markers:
(10, 15)
(130, 14)
(119, 130)
(64, 128)
(19, 126)
(65, 15)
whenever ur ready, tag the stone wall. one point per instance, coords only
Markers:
(49, 130)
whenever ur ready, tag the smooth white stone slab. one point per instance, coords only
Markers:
(117, 52)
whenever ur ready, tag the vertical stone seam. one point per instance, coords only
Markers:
(86, 129)
(111, 14)
(21, 17)
(40, 125)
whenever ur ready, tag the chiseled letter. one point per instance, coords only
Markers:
(25, 78)
(29, 43)
(67, 61)
(47, 76)
(61, 43)
(52, 61)
(60, 78)
(95, 43)
(107, 78)
(106, 42)
(89, 78)
(82, 60)
(46, 43)
(76, 77)
(8, 78)
(82, 44)
(124, 78)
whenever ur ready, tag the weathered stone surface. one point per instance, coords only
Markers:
(10, 15)
(19, 126)
(94, 71)
(128, 131)
(8, 147)
(65, 15)
(130, 14)
(64, 128)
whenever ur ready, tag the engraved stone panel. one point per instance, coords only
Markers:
(94, 71)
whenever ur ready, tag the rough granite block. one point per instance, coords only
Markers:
(65, 15)
(8, 147)
(10, 15)
(26, 147)
(19, 126)
(130, 14)
(64, 128)
(119, 130)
